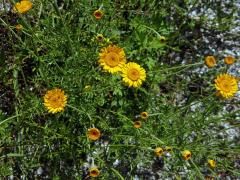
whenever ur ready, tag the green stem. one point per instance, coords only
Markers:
(117, 173)
(195, 166)
(10, 118)
(70, 47)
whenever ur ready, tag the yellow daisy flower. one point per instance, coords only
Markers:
(211, 163)
(158, 151)
(98, 14)
(226, 85)
(229, 60)
(144, 115)
(112, 58)
(93, 134)
(22, 6)
(186, 154)
(137, 124)
(133, 74)
(55, 100)
(94, 172)
(210, 61)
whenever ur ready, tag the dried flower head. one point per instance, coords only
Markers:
(210, 61)
(93, 134)
(94, 172)
(137, 124)
(99, 37)
(229, 60)
(162, 39)
(98, 14)
(144, 115)
(158, 151)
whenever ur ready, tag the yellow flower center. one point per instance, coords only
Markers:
(133, 74)
(211, 61)
(56, 101)
(112, 59)
(225, 85)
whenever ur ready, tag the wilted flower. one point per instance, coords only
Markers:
(94, 172)
(158, 151)
(137, 124)
(98, 14)
(210, 61)
(93, 134)
(144, 115)
(229, 60)
(186, 154)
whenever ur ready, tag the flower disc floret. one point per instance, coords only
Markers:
(226, 85)
(55, 100)
(133, 74)
(112, 58)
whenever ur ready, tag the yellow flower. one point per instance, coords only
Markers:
(100, 37)
(19, 27)
(229, 60)
(168, 149)
(211, 163)
(186, 154)
(158, 151)
(144, 115)
(137, 124)
(94, 172)
(93, 134)
(98, 14)
(226, 85)
(210, 61)
(22, 6)
(55, 100)
(112, 58)
(133, 74)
